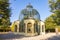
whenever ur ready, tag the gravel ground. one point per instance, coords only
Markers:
(11, 36)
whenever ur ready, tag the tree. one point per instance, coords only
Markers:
(55, 8)
(53, 20)
(50, 22)
(4, 13)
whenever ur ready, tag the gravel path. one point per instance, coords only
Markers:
(11, 36)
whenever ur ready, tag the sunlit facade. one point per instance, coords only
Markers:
(29, 23)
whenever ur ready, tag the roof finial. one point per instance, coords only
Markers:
(29, 5)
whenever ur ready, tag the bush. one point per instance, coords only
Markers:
(50, 30)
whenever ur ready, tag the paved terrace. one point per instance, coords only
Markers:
(12, 36)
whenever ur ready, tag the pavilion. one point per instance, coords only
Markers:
(29, 23)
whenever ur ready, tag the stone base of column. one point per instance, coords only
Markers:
(30, 34)
(42, 33)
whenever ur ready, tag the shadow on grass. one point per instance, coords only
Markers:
(10, 36)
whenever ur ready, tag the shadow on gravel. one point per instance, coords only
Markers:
(10, 36)
(57, 37)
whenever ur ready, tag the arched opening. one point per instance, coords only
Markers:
(42, 28)
(29, 25)
(15, 28)
(36, 28)
(22, 27)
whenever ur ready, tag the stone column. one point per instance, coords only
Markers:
(44, 29)
(40, 29)
(32, 28)
(25, 28)
(17, 27)
(56, 30)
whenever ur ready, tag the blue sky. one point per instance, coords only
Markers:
(41, 6)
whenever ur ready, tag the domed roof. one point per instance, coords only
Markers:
(30, 12)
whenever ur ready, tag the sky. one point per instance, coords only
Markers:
(41, 6)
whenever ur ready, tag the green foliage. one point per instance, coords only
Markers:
(53, 20)
(4, 13)
(54, 5)
(50, 22)
(55, 8)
